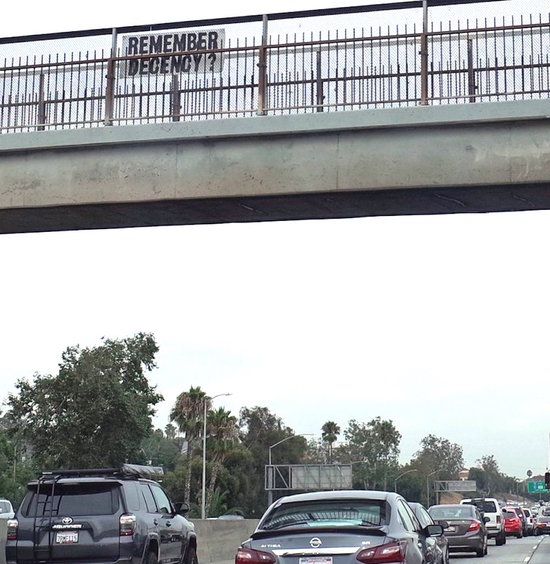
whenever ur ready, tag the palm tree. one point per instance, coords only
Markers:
(187, 413)
(330, 431)
(222, 433)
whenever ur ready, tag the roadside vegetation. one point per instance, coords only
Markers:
(97, 412)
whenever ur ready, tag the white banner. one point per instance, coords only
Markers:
(161, 45)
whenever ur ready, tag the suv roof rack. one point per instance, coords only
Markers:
(125, 470)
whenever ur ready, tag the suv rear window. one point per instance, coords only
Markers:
(5, 506)
(484, 505)
(72, 499)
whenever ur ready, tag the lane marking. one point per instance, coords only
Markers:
(527, 559)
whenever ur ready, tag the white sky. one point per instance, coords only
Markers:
(438, 323)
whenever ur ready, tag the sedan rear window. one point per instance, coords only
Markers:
(451, 512)
(75, 500)
(328, 513)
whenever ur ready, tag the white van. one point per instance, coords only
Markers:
(490, 507)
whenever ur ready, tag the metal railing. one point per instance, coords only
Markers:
(197, 71)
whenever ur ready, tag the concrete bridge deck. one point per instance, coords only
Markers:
(422, 160)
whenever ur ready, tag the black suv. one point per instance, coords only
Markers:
(100, 516)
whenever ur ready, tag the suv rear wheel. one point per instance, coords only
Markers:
(151, 558)
(191, 556)
(500, 539)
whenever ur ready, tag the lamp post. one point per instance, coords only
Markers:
(428, 487)
(270, 492)
(400, 476)
(203, 500)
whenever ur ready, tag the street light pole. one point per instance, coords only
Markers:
(428, 487)
(203, 492)
(270, 491)
(400, 476)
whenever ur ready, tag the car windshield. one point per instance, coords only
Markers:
(5, 506)
(73, 499)
(451, 512)
(327, 513)
(509, 514)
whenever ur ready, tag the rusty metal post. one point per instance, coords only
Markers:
(175, 100)
(110, 85)
(424, 55)
(471, 75)
(41, 103)
(262, 71)
(320, 98)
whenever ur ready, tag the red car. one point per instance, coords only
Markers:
(512, 522)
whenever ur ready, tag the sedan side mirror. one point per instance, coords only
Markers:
(182, 507)
(434, 530)
(486, 519)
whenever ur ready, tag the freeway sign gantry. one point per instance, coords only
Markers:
(536, 487)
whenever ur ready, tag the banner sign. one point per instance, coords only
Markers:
(160, 45)
(459, 485)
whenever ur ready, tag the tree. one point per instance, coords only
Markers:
(330, 431)
(160, 450)
(261, 429)
(95, 412)
(437, 453)
(223, 431)
(376, 445)
(188, 413)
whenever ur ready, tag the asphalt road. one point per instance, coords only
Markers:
(528, 550)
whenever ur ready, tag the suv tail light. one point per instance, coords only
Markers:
(127, 525)
(498, 518)
(12, 526)
(250, 556)
(384, 554)
(474, 526)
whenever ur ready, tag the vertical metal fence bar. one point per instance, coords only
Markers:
(424, 56)
(262, 70)
(175, 98)
(110, 83)
(471, 73)
(319, 95)
(41, 103)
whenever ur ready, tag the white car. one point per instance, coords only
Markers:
(6, 509)
(489, 507)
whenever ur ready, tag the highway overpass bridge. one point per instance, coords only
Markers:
(422, 160)
(173, 124)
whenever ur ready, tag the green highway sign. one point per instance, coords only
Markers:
(536, 487)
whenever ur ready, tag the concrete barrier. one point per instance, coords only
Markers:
(217, 540)
(3, 533)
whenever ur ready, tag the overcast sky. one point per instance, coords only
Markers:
(439, 323)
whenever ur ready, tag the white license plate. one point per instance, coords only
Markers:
(451, 529)
(316, 560)
(66, 537)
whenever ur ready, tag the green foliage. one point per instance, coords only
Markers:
(374, 450)
(329, 433)
(160, 450)
(95, 412)
(439, 454)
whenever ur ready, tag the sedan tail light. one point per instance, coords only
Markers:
(384, 554)
(127, 525)
(474, 526)
(12, 525)
(250, 556)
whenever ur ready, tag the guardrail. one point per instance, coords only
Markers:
(208, 70)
